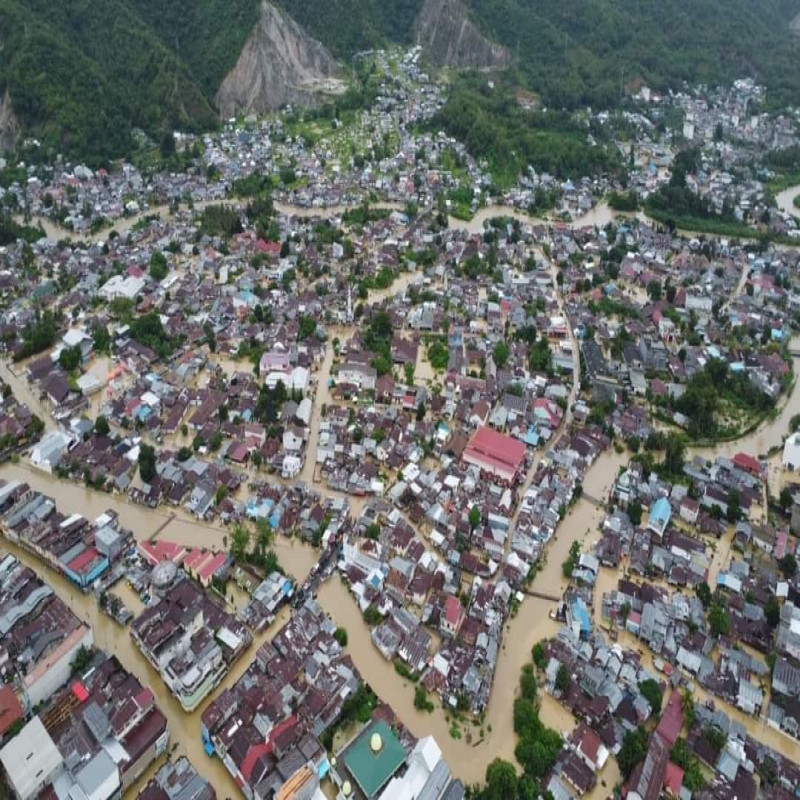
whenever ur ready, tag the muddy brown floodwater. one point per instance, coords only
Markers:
(296, 557)
(184, 728)
(532, 623)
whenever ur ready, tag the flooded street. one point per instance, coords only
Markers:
(184, 728)
(14, 376)
(598, 216)
(469, 755)
(785, 200)
(770, 433)
(176, 525)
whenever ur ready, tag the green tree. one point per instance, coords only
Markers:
(101, 427)
(719, 620)
(633, 751)
(500, 354)
(527, 683)
(703, 591)
(147, 463)
(340, 634)
(306, 327)
(501, 781)
(772, 611)
(101, 341)
(158, 266)
(70, 358)
(568, 565)
(81, 659)
(240, 541)
(651, 692)
(421, 701)
(635, 512)
(474, 517)
(373, 531)
(654, 290)
(539, 656)
(788, 565)
(674, 454)
(562, 679)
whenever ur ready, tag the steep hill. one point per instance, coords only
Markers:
(208, 34)
(279, 64)
(350, 26)
(450, 38)
(80, 74)
(579, 51)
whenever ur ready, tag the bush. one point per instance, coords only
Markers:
(340, 634)
(421, 701)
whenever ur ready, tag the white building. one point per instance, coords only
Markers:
(48, 452)
(31, 760)
(117, 286)
(427, 775)
(791, 452)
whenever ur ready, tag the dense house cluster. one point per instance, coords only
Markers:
(39, 634)
(177, 780)
(415, 594)
(94, 739)
(189, 639)
(19, 427)
(80, 549)
(267, 728)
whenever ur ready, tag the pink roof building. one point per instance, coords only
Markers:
(671, 722)
(496, 454)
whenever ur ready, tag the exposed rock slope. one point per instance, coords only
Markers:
(450, 38)
(279, 64)
(9, 126)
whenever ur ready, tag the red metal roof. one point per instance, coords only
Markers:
(495, 450)
(80, 562)
(10, 709)
(253, 754)
(673, 779)
(155, 552)
(748, 462)
(79, 690)
(671, 722)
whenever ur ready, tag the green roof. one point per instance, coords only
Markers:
(372, 770)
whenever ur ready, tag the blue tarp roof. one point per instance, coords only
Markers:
(581, 613)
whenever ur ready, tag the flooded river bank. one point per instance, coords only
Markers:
(184, 728)
(785, 200)
(296, 557)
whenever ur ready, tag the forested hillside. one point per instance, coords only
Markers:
(80, 74)
(208, 34)
(575, 52)
(493, 126)
(350, 26)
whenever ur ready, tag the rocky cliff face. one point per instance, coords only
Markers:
(279, 64)
(9, 125)
(450, 38)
